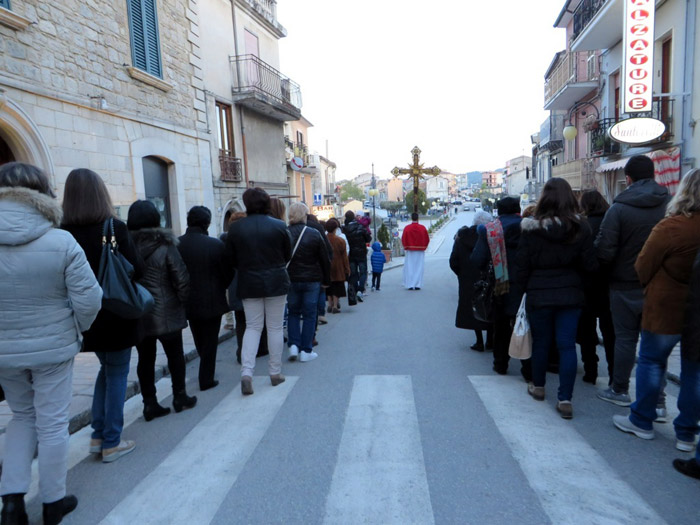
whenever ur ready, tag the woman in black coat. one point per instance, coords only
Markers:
(167, 279)
(259, 248)
(597, 307)
(467, 275)
(86, 206)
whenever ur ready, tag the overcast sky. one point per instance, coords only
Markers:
(461, 79)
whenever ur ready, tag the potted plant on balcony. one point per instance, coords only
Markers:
(385, 240)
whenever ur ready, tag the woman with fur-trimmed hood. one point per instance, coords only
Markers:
(167, 279)
(48, 296)
(555, 252)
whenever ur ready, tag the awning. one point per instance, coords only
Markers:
(612, 166)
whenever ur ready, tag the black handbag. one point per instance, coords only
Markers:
(482, 298)
(352, 294)
(120, 294)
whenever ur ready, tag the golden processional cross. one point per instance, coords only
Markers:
(416, 171)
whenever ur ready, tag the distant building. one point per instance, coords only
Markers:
(518, 174)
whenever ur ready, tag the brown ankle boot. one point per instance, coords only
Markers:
(277, 379)
(246, 385)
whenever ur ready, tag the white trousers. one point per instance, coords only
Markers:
(413, 269)
(266, 311)
(40, 401)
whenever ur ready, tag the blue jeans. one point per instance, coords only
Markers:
(302, 301)
(321, 307)
(654, 350)
(109, 396)
(358, 274)
(563, 322)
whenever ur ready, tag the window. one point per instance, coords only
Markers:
(5, 4)
(145, 46)
(224, 129)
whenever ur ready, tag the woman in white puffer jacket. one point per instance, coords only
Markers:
(48, 295)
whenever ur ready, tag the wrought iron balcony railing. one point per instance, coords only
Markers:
(585, 12)
(601, 143)
(253, 75)
(231, 168)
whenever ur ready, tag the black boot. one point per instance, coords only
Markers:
(152, 410)
(13, 512)
(54, 512)
(182, 400)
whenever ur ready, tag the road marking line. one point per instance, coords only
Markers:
(573, 482)
(193, 480)
(380, 474)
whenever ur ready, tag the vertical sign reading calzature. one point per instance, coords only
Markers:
(638, 55)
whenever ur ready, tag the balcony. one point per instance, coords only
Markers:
(231, 168)
(266, 12)
(597, 24)
(261, 88)
(572, 172)
(551, 136)
(573, 77)
(601, 143)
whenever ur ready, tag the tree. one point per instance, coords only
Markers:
(422, 208)
(384, 237)
(350, 191)
(391, 206)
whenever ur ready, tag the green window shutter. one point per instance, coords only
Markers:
(145, 45)
(5, 4)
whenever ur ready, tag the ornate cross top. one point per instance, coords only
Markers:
(416, 171)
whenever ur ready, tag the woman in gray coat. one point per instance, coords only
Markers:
(48, 295)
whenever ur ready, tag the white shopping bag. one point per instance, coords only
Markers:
(520, 346)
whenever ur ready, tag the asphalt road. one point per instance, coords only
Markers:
(397, 422)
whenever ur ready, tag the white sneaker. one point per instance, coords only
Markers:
(112, 454)
(293, 352)
(685, 446)
(661, 415)
(305, 357)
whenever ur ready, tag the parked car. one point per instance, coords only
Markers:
(466, 207)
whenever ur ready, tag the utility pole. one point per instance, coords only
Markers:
(374, 203)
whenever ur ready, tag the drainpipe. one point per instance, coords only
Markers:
(688, 124)
(240, 108)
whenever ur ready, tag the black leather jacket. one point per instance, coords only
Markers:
(259, 247)
(357, 237)
(167, 279)
(310, 262)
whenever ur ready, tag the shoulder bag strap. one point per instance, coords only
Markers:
(296, 246)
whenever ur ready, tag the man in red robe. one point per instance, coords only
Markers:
(415, 240)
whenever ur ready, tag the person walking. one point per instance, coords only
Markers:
(312, 222)
(86, 207)
(623, 232)
(308, 269)
(498, 247)
(48, 295)
(259, 248)
(554, 255)
(167, 279)
(415, 240)
(378, 259)
(664, 267)
(597, 307)
(690, 376)
(210, 274)
(467, 274)
(340, 266)
(357, 237)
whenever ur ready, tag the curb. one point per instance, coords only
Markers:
(82, 419)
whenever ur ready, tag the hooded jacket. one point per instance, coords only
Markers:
(377, 258)
(625, 229)
(167, 279)
(552, 262)
(48, 293)
(357, 237)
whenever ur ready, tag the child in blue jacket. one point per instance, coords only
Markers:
(378, 259)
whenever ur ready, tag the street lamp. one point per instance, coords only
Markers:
(374, 192)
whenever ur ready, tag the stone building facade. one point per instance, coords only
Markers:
(73, 95)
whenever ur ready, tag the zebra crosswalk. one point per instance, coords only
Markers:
(379, 473)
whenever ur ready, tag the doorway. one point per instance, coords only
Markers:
(155, 178)
(6, 154)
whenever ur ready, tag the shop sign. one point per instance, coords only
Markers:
(637, 130)
(638, 42)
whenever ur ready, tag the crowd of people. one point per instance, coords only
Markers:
(269, 268)
(631, 270)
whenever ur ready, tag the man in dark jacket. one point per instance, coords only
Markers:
(505, 307)
(357, 237)
(623, 232)
(210, 275)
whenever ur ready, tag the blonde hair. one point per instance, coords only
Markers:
(687, 199)
(297, 213)
(277, 209)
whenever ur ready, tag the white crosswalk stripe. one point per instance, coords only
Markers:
(570, 475)
(191, 483)
(380, 474)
